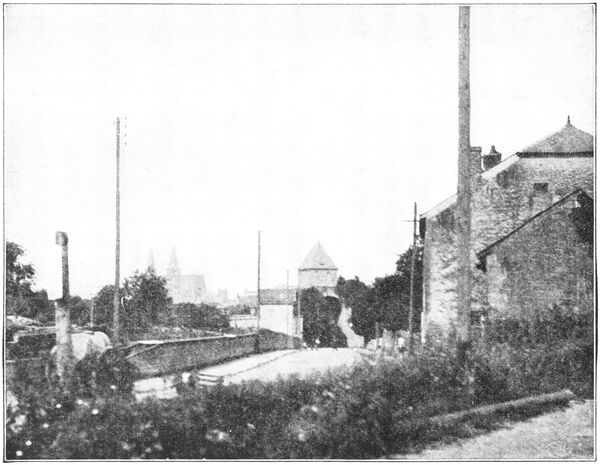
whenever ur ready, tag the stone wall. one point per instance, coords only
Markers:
(545, 263)
(319, 278)
(171, 356)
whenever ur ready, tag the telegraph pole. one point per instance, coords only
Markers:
(258, 298)
(413, 261)
(464, 194)
(116, 300)
(64, 342)
(287, 301)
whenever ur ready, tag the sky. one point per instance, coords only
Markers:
(309, 123)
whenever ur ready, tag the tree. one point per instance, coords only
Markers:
(145, 298)
(19, 277)
(357, 296)
(103, 306)
(320, 315)
(21, 299)
(80, 311)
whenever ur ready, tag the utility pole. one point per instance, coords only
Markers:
(464, 194)
(287, 301)
(116, 300)
(92, 314)
(413, 261)
(258, 298)
(64, 342)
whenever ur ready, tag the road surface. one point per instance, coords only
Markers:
(263, 367)
(563, 434)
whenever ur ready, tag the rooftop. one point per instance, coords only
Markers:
(567, 141)
(317, 259)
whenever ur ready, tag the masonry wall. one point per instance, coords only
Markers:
(319, 278)
(501, 203)
(545, 263)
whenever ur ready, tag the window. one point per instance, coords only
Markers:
(540, 187)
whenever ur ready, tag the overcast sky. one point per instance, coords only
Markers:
(306, 122)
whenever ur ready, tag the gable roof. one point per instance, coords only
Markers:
(317, 259)
(567, 141)
(576, 193)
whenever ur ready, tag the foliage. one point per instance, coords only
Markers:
(369, 411)
(103, 306)
(80, 311)
(145, 298)
(19, 277)
(320, 315)
(203, 316)
(21, 299)
(358, 296)
(44, 407)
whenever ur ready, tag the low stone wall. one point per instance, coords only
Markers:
(155, 358)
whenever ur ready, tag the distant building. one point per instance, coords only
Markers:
(318, 270)
(189, 288)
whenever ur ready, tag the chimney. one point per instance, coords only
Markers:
(491, 159)
(475, 162)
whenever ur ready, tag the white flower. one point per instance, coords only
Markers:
(95, 411)
(250, 426)
(217, 435)
(45, 425)
(28, 443)
(113, 387)
(58, 405)
(79, 402)
(19, 453)
(302, 436)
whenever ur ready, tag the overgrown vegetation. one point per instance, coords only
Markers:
(386, 302)
(369, 411)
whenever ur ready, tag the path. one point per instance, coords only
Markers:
(263, 367)
(564, 434)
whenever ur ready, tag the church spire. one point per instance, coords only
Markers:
(173, 272)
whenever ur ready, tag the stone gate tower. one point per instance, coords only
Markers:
(317, 270)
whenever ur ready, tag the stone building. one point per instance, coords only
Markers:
(514, 204)
(318, 270)
(190, 288)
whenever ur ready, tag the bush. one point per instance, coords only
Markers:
(369, 411)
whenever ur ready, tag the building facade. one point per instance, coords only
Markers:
(505, 195)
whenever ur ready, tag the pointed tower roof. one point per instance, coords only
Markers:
(173, 268)
(317, 259)
(568, 141)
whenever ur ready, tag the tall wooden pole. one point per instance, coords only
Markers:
(116, 300)
(258, 297)
(64, 342)
(413, 261)
(464, 194)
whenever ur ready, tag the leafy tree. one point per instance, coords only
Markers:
(19, 277)
(320, 315)
(358, 297)
(103, 307)
(21, 299)
(80, 311)
(145, 298)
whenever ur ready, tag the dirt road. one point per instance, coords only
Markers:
(263, 367)
(564, 434)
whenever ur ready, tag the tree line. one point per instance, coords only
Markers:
(144, 296)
